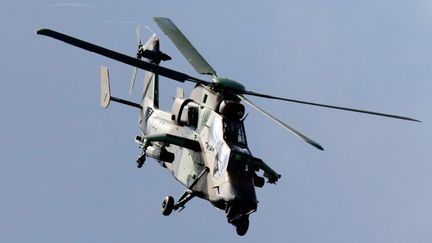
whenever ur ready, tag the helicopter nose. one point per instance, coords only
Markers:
(240, 198)
(240, 207)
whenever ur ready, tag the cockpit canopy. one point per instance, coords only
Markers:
(234, 133)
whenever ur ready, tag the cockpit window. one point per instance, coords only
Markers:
(234, 132)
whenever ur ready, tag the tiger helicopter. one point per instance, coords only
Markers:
(202, 140)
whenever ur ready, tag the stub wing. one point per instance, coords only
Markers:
(170, 139)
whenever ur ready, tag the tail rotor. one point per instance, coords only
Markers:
(150, 50)
(138, 56)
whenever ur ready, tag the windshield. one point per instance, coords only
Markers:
(234, 133)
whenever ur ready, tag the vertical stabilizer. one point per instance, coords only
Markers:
(105, 87)
(151, 80)
(150, 96)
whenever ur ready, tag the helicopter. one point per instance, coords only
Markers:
(202, 140)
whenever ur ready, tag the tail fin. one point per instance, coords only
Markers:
(150, 96)
(106, 91)
(105, 87)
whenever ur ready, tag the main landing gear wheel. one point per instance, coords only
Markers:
(167, 205)
(242, 226)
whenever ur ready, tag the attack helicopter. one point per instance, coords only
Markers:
(202, 140)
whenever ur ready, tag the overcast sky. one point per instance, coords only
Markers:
(68, 171)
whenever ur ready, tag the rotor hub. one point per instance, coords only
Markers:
(229, 84)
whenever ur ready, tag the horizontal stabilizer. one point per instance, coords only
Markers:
(106, 91)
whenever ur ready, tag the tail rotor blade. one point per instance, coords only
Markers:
(138, 34)
(134, 74)
(282, 124)
(140, 51)
(135, 69)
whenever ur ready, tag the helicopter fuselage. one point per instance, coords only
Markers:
(201, 141)
(215, 123)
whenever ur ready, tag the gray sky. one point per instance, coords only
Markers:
(68, 169)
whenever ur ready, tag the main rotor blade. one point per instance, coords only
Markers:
(166, 72)
(329, 106)
(185, 47)
(281, 123)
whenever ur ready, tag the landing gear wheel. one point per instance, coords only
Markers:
(242, 226)
(167, 205)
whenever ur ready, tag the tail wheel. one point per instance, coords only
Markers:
(242, 226)
(167, 205)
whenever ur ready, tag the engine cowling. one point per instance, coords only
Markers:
(185, 112)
